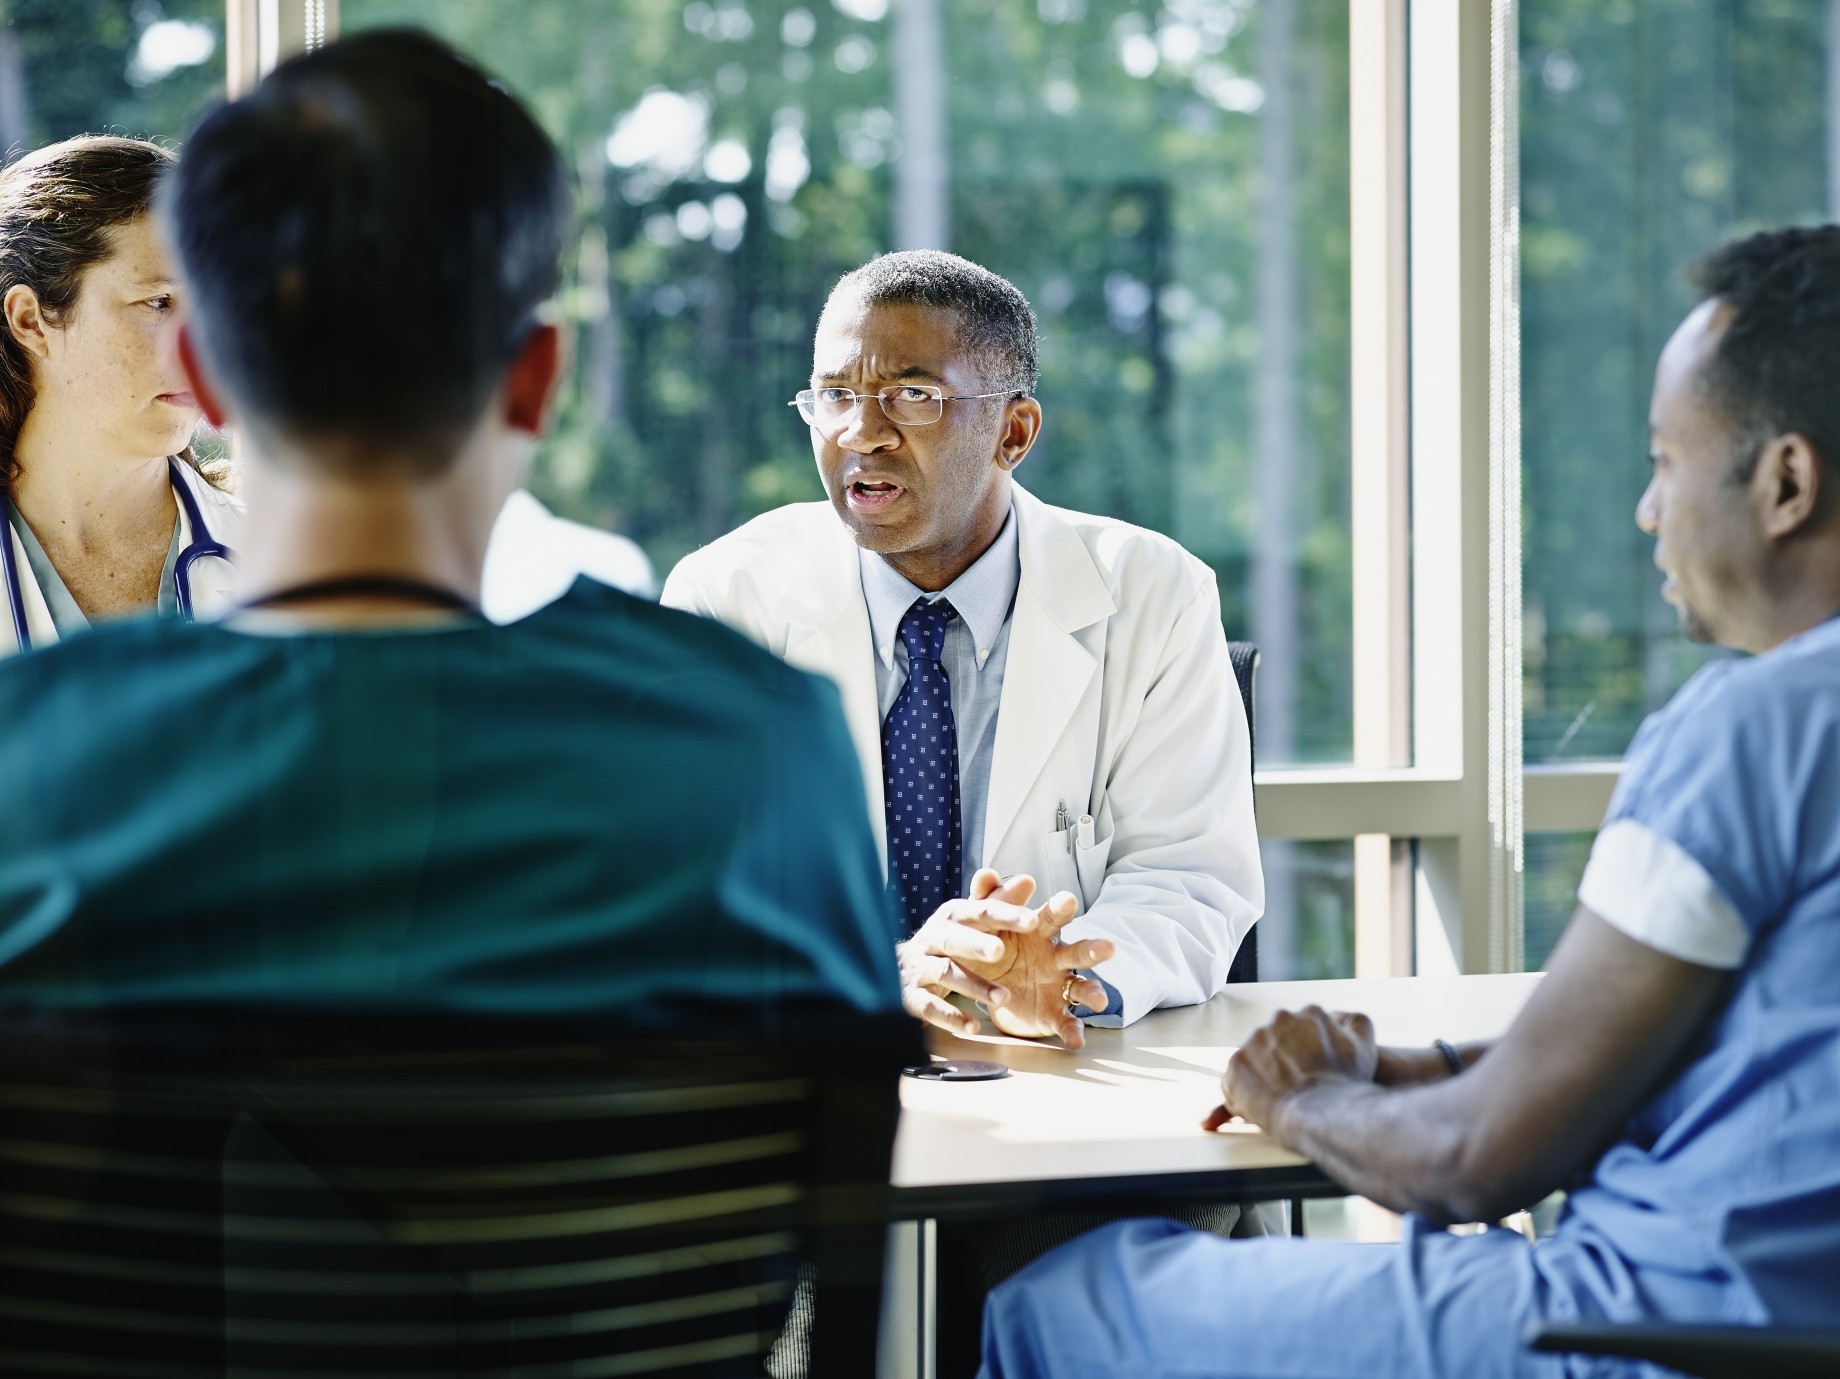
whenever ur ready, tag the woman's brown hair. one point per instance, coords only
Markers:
(59, 208)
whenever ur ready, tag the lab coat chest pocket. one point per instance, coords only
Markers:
(1056, 866)
(1090, 861)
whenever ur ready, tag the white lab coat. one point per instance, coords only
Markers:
(534, 556)
(1118, 699)
(212, 580)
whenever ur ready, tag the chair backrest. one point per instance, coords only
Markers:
(461, 1207)
(1710, 1352)
(1245, 658)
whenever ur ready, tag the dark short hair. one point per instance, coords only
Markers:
(995, 324)
(367, 237)
(1777, 366)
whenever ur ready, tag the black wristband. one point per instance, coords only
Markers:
(1451, 1056)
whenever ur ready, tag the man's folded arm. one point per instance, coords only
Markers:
(1665, 915)
(1608, 1020)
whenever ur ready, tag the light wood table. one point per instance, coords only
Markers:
(1117, 1126)
(1120, 1121)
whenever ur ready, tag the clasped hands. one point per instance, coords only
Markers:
(1296, 1051)
(994, 947)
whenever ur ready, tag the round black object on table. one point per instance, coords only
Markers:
(956, 1070)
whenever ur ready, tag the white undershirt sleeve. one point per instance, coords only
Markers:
(1652, 889)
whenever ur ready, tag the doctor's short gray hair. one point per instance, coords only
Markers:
(995, 323)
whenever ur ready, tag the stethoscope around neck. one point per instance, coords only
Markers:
(203, 546)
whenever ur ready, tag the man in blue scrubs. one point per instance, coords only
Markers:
(356, 792)
(1679, 1067)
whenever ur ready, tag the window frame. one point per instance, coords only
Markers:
(1434, 139)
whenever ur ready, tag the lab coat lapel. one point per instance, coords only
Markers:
(1048, 670)
(31, 599)
(827, 631)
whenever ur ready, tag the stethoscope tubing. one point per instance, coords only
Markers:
(15, 597)
(203, 546)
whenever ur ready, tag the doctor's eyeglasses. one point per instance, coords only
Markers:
(905, 404)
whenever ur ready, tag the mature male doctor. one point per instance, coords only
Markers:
(1030, 690)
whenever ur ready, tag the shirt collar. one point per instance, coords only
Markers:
(982, 595)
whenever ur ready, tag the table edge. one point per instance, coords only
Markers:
(1031, 1196)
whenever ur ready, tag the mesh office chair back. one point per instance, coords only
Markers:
(484, 1209)
(1245, 658)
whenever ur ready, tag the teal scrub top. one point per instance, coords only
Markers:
(606, 806)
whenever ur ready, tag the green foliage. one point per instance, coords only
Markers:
(1650, 133)
(1124, 206)
(77, 62)
(1317, 938)
(1555, 863)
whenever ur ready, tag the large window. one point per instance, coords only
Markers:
(1358, 299)
(1168, 187)
(1650, 134)
(107, 67)
(1169, 184)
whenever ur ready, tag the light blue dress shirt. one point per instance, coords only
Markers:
(976, 651)
(977, 646)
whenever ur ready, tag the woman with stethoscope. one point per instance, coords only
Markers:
(107, 513)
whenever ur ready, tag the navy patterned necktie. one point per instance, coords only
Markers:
(920, 772)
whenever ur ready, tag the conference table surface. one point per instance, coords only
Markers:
(1119, 1122)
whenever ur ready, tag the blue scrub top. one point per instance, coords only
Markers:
(1721, 1199)
(603, 806)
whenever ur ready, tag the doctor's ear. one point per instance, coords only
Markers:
(1021, 426)
(25, 321)
(209, 402)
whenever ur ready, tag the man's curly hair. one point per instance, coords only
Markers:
(1777, 367)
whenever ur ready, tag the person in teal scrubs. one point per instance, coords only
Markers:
(354, 792)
